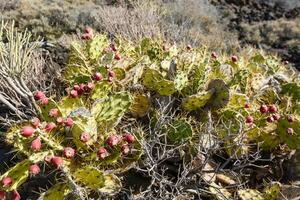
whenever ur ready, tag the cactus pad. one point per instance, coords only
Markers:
(250, 194)
(140, 105)
(196, 101)
(57, 192)
(179, 131)
(293, 140)
(67, 105)
(101, 90)
(220, 95)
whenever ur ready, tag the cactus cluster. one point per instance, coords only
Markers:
(96, 131)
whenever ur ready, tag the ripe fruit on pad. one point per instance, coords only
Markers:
(57, 161)
(111, 73)
(6, 181)
(102, 153)
(264, 109)
(270, 119)
(118, 56)
(125, 149)
(39, 95)
(86, 36)
(76, 87)
(2, 195)
(44, 101)
(113, 47)
(36, 144)
(129, 138)
(249, 119)
(34, 169)
(88, 30)
(50, 126)
(247, 105)
(276, 117)
(110, 79)
(59, 121)
(290, 131)
(27, 131)
(214, 55)
(35, 122)
(234, 58)
(290, 118)
(112, 140)
(89, 87)
(272, 109)
(188, 47)
(85, 137)
(53, 112)
(73, 93)
(69, 122)
(16, 195)
(69, 152)
(97, 76)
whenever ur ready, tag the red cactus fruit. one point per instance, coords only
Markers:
(272, 109)
(50, 127)
(53, 112)
(88, 30)
(247, 105)
(112, 140)
(76, 87)
(35, 122)
(290, 131)
(97, 76)
(276, 117)
(270, 119)
(16, 195)
(117, 56)
(6, 181)
(290, 118)
(36, 144)
(27, 131)
(189, 47)
(234, 58)
(110, 79)
(214, 55)
(102, 153)
(129, 138)
(69, 122)
(264, 109)
(39, 95)
(73, 93)
(2, 195)
(85, 137)
(57, 161)
(111, 73)
(286, 62)
(113, 47)
(44, 101)
(125, 149)
(86, 36)
(89, 87)
(34, 169)
(60, 121)
(249, 120)
(69, 152)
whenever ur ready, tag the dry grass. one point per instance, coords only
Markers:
(192, 21)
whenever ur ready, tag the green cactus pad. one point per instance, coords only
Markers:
(140, 105)
(293, 141)
(19, 173)
(181, 80)
(272, 191)
(109, 111)
(67, 104)
(112, 184)
(46, 109)
(292, 90)
(154, 81)
(179, 131)
(120, 73)
(220, 95)
(101, 90)
(57, 192)
(95, 46)
(250, 194)
(90, 177)
(81, 125)
(196, 101)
